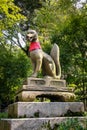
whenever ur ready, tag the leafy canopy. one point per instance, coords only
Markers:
(9, 15)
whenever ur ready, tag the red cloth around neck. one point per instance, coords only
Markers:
(34, 46)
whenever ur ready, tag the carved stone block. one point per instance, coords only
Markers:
(50, 82)
(44, 109)
(29, 96)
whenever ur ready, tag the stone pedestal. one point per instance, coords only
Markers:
(53, 89)
(48, 82)
(30, 115)
(44, 109)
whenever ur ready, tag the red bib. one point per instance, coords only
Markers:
(34, 46)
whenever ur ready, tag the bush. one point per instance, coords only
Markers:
(70, 124)
(3, 115)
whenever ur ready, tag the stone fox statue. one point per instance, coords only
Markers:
(50, 64)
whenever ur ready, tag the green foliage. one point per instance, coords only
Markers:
(3, 115)
(69, 124)
(28, 5)
(14, 68)
(10, 14)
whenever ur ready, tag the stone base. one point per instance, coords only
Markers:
(45, 82)
(29, 96)
(44, 109)
(50, 88)
(36, 123)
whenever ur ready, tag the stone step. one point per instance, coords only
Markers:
(50, 82)
(37, 123)
(44, 109)
(45, 88)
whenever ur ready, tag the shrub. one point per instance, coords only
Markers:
(70, 124)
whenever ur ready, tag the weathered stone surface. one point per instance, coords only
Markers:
(50, 88)
(27, 96)
(45, 88)
(44, 109)
(36, 123)
(50, 82)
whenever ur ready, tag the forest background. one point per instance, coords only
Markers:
(63, 22)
